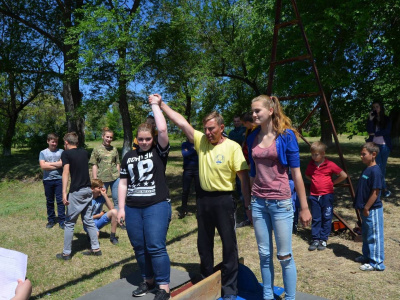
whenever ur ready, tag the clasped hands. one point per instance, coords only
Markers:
(155, 99)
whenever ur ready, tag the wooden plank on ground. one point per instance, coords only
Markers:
(207, 289)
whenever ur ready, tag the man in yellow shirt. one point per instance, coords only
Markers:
(220, 159)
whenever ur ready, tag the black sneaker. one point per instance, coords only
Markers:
(50, 225)
(114, 240)
(182, 214)
(321, 245)
(62, 226)
(62, 256)
(143, 289)
(94, 253)
(162, 295)
(314, 245)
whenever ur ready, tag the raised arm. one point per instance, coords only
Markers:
(109, 203)
(160, 120)
(177, 119)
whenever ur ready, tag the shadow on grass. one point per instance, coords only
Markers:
(343, 251)
(20, 166)
(304, 234)
(83, 278)
(81, 244)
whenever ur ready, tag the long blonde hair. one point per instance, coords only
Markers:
(280, 121)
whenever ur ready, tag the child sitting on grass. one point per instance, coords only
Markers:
(320, 171)
(368, 201)
(100, 216)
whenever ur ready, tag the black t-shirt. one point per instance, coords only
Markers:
(145, 172)
(370, 179)
(78, 161)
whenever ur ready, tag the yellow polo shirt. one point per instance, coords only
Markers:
(218, 164)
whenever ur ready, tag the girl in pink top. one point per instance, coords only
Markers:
(273, 150)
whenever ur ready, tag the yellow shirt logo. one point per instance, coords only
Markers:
(220, 159)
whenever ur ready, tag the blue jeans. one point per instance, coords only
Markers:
(100, 223)
(381, 161)
(276, 215)
(372, 234)
(322, 213)
(114, 190)
(147, 231)
(53, 188)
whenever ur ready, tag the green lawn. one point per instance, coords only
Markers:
(331, 273)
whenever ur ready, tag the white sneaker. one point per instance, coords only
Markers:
(367, 267)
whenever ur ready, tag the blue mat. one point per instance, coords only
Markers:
(250, 289)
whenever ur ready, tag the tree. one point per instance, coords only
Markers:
(108, 30)
(24, 65)
(51, 19)
(43, 116)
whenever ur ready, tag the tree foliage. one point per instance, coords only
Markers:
(205, 55)
(25, 74)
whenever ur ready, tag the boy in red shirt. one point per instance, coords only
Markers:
(320, 171)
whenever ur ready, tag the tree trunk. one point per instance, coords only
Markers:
(7, 139)
(326, 128)
(71, 93)
(123, 107)
(72, 101)
(188, 108)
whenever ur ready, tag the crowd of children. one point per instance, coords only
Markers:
(140, 193)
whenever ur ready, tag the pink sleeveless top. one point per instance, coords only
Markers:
(271, 181)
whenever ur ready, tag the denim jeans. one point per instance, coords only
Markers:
(372, 234)
(114, 191)
(276, 215)
(53, 188)
(322, 213)
(147, 231)
(381, 161)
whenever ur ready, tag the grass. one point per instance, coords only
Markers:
(330, 274)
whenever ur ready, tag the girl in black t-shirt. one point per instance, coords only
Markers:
(145, 205)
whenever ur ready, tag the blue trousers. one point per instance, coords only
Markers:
(322, 213)
(372, 234)
(381, 161)
(187, 177)
(53, 189)
(147, 231)
(114, 190)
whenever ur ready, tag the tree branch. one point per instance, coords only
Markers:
(253, 85)
(32, 26)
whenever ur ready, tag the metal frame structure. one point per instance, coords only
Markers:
(307, 57)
